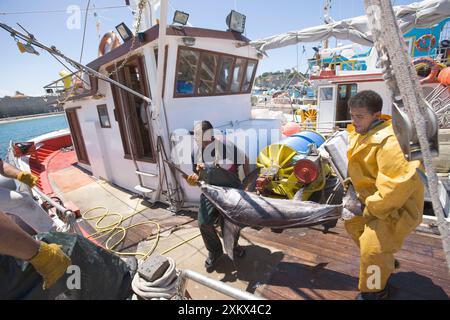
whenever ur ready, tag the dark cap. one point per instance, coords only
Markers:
(202, 127)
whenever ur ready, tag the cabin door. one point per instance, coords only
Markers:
(345, 92)
(77, 136)
(326, 103)
(131, 111)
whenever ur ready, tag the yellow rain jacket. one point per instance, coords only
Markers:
(393, 194)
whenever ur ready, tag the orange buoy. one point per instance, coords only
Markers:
(109, 42)
(291, 128)
(444, 76)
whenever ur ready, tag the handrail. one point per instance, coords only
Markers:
(67, 213)
(218, 286)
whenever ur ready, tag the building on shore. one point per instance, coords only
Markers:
(22, 105)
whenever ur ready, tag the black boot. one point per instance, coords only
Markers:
(239, 252)
(211, 262)
(380, 295)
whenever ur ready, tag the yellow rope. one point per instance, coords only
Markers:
(115, 228)
(181, 243)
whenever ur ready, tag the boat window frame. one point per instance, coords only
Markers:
(241, 79)
(252, 79)
(198, 77)
(230, 75)
(202, 52)
(103, 107)
(177, 69)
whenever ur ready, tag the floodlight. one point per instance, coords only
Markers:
(236, 21)
(180, 17)
(124, 32)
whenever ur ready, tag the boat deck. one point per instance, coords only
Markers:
(295, 264)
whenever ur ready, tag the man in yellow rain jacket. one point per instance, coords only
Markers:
(389, 190)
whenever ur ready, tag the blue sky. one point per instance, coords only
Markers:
(29, 73)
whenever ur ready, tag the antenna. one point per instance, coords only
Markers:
(326, 18)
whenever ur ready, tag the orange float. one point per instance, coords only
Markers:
(109, 42)
(291, 128)
(444, 76)
(423, 40)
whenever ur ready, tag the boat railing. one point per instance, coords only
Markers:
(75, 83)
(215, 285)
(67, 214)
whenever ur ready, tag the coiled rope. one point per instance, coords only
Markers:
(163, 288)
(112, 230)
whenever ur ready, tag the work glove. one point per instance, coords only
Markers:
(351, 205)
(27, 178)
(192, 179)
(200, 167)
(50, 262)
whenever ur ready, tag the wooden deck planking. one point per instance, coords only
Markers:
(421, 276)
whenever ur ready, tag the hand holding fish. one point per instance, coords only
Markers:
(200, 167)
(351, 204)
(192, 179)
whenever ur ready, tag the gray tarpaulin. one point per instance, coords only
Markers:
(415, 15)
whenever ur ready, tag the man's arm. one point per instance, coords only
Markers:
(246, 167)
(397, 180)
(14, 241)
(47, 259)
(12, 172)
(8, 170)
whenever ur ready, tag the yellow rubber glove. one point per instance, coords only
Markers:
(192, 179)
(51, 263)
(27, 178)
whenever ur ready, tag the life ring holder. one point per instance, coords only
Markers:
(423, 40)
(106, 37)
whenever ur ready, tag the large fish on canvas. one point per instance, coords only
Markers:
(245, 209)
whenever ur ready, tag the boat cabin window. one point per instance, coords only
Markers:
(103, 116)
(188, 61)
(207, 73)
(238, 72)
(326, 94)
(208, 67)
(251, 68)
(226, 63)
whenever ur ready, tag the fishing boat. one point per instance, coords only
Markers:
(131, 110)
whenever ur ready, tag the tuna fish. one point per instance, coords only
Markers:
(245, 209)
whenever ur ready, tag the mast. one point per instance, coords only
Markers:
(161, 49)
(326, 19)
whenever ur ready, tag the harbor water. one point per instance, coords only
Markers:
(24, 130)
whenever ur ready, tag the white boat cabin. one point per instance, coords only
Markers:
(208, 75)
